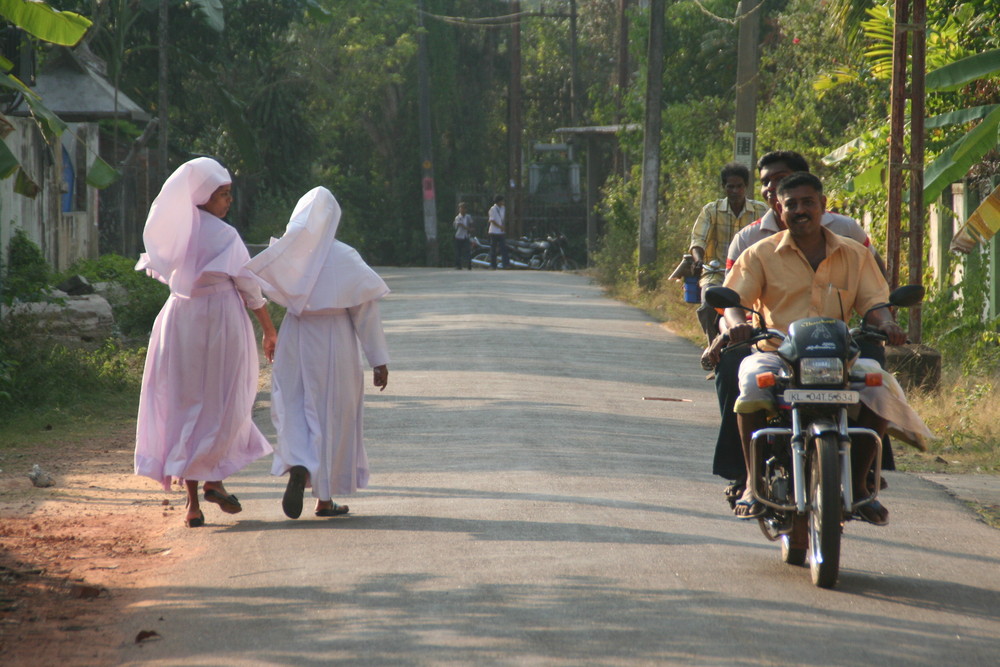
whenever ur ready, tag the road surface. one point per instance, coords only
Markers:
(528, 506)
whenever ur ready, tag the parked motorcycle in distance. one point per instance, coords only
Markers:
(801, 462)
(548, 254)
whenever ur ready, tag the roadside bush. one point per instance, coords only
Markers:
(136, 306)
(27, 273)
(953, 324)
(35, 372)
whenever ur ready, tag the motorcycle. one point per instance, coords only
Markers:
(536, 254)
(555, 257)
(801, 462)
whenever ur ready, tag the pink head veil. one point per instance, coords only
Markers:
(172, 224)
(307, 269)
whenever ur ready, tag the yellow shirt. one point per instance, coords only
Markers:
(774, 277)
(715, 227)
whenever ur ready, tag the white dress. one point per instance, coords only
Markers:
(317, 393)
(317, 390)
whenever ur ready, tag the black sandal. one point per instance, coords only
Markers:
(873, 513)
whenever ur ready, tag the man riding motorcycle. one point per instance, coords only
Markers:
(808, 271)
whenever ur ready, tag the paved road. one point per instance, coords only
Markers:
(528, 506)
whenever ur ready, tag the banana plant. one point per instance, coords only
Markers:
(952, 68)
(62, 28)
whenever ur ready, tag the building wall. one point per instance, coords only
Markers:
(63, 236)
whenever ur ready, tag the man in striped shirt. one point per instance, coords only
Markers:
(715, 227)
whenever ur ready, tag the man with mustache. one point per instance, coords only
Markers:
(805, 271)
(728, 461)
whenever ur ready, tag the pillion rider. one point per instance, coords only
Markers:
(728, 460)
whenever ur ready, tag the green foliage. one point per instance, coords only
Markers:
(136, 306)
(617, 259)
(35, 371)
(27, 273)
(953, 324)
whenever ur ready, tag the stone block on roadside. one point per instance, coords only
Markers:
(915, 366)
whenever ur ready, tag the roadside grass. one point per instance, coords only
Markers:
(68, 425)
(35, 435)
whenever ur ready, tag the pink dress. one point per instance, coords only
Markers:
(200, 378)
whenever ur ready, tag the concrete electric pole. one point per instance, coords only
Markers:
(651, 147)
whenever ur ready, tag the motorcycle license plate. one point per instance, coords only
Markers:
(844, 396)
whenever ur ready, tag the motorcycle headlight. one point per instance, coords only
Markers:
(821, 370)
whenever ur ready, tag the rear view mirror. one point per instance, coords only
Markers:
(722, 297)
(907, 295)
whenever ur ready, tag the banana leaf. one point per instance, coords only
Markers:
(957, 159)
(100, 174)
(45, 23)
(957, 74)
(8, 162)
(959, 117)
(51, 124)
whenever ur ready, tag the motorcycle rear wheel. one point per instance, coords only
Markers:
(825, 512)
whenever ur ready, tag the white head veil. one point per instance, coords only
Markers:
(172, 224)
(307, 269)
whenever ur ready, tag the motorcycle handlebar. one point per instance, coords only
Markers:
(758, 336)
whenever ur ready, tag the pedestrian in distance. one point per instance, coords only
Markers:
(498, 233)
(317, 391)
(463, 237)
(200, 377)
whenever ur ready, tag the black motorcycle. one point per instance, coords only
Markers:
(801, 462)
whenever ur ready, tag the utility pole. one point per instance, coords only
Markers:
(426, 156)
(574, 82)
(514, 201)
(651, 146)
(621, 85)
(902, 90)
(164, 99)
(748, 15)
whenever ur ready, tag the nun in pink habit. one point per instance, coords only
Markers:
(200, 377)
(317, 392)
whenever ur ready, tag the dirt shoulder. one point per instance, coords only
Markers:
(71, 553)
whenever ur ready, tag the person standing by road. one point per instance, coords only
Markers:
(714, 229)
(317, 391)
(498, 233)
(463, 233)
(200, 378)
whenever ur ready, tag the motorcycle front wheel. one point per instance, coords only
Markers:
(563, 264)
(825, 512)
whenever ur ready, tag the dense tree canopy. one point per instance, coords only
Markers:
(294, 93)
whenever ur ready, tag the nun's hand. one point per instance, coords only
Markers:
(269, 342)
(380, 376)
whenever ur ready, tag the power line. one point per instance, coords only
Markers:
(501, 21)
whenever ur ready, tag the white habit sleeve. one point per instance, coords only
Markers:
(368, 325)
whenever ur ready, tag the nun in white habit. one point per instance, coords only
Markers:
(200, 377)
(317, 392)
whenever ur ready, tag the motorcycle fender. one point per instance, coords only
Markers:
(822, 426)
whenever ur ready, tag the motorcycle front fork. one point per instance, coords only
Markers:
(799, 464)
